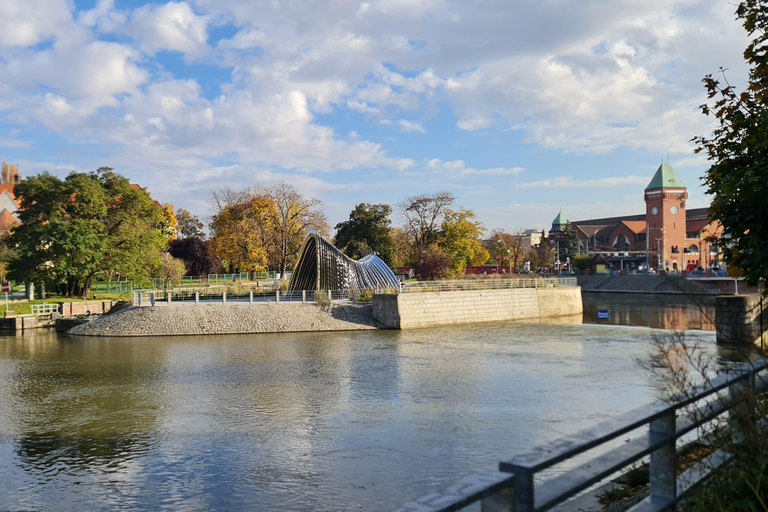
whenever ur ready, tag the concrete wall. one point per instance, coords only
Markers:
(737, 318)
(85, 307)
(414, 310)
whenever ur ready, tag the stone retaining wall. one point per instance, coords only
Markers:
(414, 310)
(230, 318)
(737, 318)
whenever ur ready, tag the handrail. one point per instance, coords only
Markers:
(486, 284)
(513, 487)
(41, 309)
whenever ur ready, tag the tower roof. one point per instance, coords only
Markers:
(560, 220)
(665, 177)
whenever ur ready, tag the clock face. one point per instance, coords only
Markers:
(654, 210)
(673, 210)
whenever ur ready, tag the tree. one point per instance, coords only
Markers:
(738, 150)
(171, 269)
(568, 245)
(460, 238)
(435, 263)
(196, 255)
(508, 249)
(189, 226)
(87, 224)
(294, 216)
(366, 232)
(403, 252)
(242, 233)
(170, 227)
(541, 255)
(423, 216)
(10, 174)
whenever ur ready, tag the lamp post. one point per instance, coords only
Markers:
(648, 246)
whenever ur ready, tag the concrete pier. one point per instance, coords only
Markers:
(415, 310)
(738, 318)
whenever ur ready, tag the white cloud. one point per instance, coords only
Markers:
(409, 126)
(568, 182)
(172, 26)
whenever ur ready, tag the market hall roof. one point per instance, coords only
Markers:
(322, 266)
(665, 177)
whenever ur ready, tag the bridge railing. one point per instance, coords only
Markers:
(486, 284)
(223, 294)
(515, 487)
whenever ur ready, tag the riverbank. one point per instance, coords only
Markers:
(231, 318)
(661, 285)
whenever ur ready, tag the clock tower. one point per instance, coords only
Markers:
(665, 199)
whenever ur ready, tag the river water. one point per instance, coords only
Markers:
(331, 421)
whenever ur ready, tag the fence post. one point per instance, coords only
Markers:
(152, 298)
(277, 295)
(502, 501)
(524, 491)
(330, 296)
(197, 298)
(168, 294)
(741, 394)
(223, 297)
(250, 296)
(354, 297)
(140, 297)
(303, 296)
(664, 460)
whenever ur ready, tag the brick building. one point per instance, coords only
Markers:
(667, 236)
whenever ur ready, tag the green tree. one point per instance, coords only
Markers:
(87, 224)
(738, 150)
(367, 232)
(460, 238)
(189, 226)
(423, 216)
(569, 243)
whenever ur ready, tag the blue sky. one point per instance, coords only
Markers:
(518, 108)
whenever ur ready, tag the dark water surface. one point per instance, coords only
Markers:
(329, 421)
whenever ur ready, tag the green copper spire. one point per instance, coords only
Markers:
(665, 177)
(560, 219)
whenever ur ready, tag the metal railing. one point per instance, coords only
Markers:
(515, 487)
(486, 284)
(222, 295)
(43, 309)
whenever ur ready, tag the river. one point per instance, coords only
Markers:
(331, 421)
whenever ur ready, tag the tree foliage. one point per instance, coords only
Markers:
(423, 216)
(509, 249)
(196, 255)
(367, 232)
(460, 238)
(87, 224)
(435, 263)
(294, 216)
(738, 150)
(189, 226)
(569, 243)
(242, 233)
(10, 173)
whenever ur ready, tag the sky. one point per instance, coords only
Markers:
(519, 108)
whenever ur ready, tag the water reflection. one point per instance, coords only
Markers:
(309, 421)
(677, 312)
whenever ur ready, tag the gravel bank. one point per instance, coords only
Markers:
(234, 318)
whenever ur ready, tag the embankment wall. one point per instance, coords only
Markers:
(232, 318)
(737, 318)
(415, 310)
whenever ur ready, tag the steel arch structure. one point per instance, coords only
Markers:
(321, 266)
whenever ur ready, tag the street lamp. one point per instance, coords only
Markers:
(508, 253)
(648, 246)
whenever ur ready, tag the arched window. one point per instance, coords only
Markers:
(693, 249)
